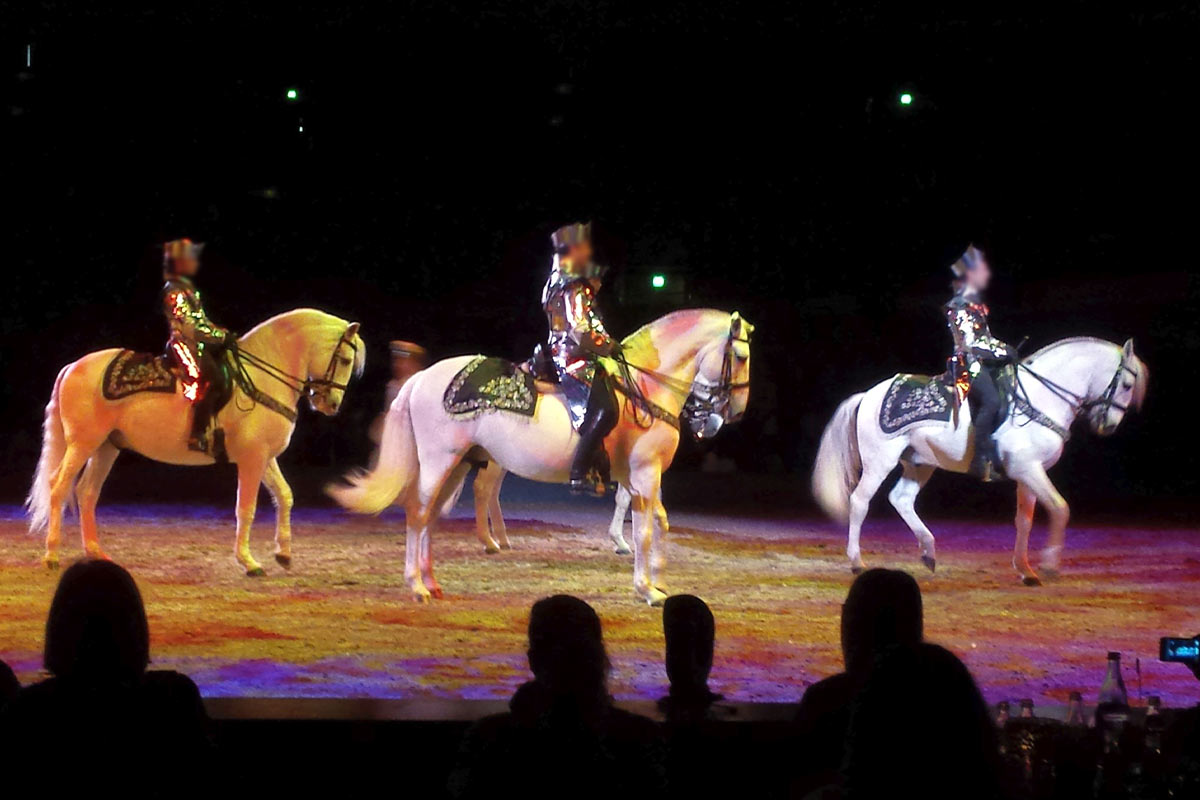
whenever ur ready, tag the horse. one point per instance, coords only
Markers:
(1081, 375)
(426, 452)
(302, 352)
(489, 519)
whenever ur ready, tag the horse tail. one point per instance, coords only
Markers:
(839, 464)
(371, 491)
(54, 447)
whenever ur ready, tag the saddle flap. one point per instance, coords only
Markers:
(131, 372)
(916, 399)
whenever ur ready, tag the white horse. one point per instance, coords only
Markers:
(1073, 376)
(426, 452)
(301, 352)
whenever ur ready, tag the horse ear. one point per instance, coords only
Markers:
(352, 331)
(735, 325)
(1128, 348)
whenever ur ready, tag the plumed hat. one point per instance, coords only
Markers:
(570, 235)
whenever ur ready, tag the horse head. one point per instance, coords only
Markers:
(338, 354)
(721, 388)
(1126, 389)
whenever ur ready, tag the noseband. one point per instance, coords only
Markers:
(707, 398)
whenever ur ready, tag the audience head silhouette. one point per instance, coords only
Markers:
(921, 706)
(97, 628)
(566, 647)
(882, 609)
(689, 629)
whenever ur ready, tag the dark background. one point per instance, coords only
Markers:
(756, 154)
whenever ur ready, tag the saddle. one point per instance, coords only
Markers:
(914, 400)
(131, 372)
(489, 384)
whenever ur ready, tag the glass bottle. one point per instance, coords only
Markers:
(1027, 708)
(1112, 690)
(1075, 710)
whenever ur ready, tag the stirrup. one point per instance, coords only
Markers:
(591, 485)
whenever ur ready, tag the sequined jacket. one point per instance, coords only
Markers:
(190, 326)
(576, 330)
(973, 341)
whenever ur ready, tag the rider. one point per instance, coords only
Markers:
(981, 353)
(577, 341)
(196, 343)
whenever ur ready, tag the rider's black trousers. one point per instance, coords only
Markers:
(987, 410)
(598, 421)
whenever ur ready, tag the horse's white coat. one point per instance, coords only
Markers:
(856, 455)
(82, 430)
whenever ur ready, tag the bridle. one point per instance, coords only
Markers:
(703, 399)
(709, 399)
(313, 388)
(1097, 408)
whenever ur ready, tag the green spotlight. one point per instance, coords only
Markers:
(658, 281)
(906, 99)
(292, 94)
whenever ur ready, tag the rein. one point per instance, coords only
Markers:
(1075, 402)
(716, 402)
(302, 386)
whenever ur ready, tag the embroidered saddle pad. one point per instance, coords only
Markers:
(915, 399)
(490, 384)
(131, 372)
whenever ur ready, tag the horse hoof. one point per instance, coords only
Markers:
(622, 551)
(856, 570)
(436, 593)
(506, 546)
(491, 550)
(50, 563)
(1031, 580)
(655, 598)
(257, 572)
(930, 562)
(1051, 572)
(421, 597)
(283, 561)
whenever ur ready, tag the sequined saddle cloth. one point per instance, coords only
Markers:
(923, 399)
(915, 399)
(490, 384)
(131, 372)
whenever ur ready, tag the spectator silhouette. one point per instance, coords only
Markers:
(122, 728)
(690, 631)
(9, 685)
(562, 736)
(882, 609)
(920, 723)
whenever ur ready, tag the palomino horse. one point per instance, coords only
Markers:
(426, 452)
(1056, 384)
(489, 518)
(302, 352)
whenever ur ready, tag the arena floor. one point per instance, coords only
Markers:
(341, 623)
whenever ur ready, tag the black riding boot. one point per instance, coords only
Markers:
(589, 469)
(985, 464)
(202, 411)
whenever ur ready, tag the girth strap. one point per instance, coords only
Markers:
(655, 410)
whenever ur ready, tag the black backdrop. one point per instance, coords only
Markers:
(756, 154)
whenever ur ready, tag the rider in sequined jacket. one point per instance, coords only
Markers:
(981, 353)
(576, 343)
(196, 342)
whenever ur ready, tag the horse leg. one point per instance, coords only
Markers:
(860, 500)
(616, 528)
(495, 515)
(644, 486)
(658, 544)
(484, 479)
(903, 498)
(60, 489)
(1026, 503)
(250, 474)
(88, 491)
(1034, 476)
(431, 496)
(281, 496)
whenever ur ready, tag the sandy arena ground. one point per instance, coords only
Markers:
(341, 623)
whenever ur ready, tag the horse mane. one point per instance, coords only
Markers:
(1071, 340)
(328, 328)
(667, 320)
